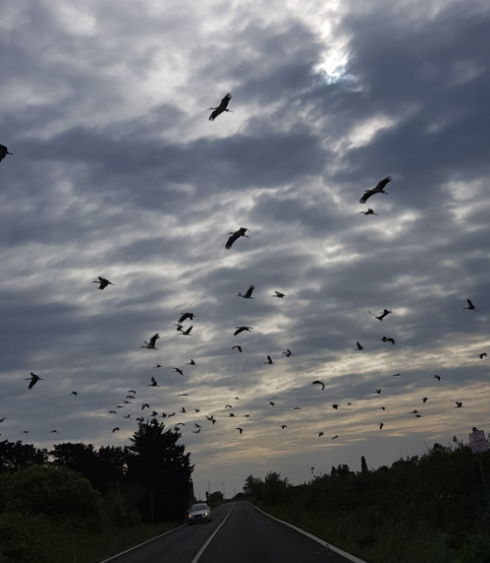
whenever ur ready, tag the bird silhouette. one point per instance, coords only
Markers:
(158, 366)
(382, 408)
(53, 432)
(151, 345)
(223, 106)
(248, 293)
(242, 329)
(33, 380)
(424, 399)
(271, 403)
(279, 294)
(288, 353)
(283, 426)
(378, 391)
(115, 429)
(239, 429)
(471, 307)
(113, 412)
(381, 424)
(359, 347)
(239, 348)
(187, 332)
(335, 406)
(185, 316)
(320, 434)
(483, 355)
(4, 152)
(191, 363)
(459, 404)
(145, 406)
(178, 370)
(382, 315)
(385, 339)
(396, 374)
(153, 383)
(235, 236)
(103, 283)
(368, 212)
(317, 382)
(269, 360)
(335, 437)
(438, 377)
(196, 431)
(74, 393)
(379, 189)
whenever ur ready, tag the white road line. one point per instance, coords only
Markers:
(140, 544)
(352, 558)
(201, 551)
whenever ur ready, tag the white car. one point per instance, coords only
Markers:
(198, 513)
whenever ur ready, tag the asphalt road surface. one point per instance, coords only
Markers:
(239, 533)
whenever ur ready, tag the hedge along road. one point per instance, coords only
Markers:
(239, 533)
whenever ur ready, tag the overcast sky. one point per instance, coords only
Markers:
(117, 172)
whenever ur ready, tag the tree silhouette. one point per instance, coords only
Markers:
(16, 455)
(160, 465)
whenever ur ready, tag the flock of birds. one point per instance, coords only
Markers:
(151, 344)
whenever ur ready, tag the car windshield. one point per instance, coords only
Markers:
(198, 507)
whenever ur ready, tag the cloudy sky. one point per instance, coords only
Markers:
(117, 172)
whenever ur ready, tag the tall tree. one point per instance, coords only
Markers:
(16, 455)
(158, 463)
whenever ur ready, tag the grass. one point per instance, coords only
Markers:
(35, 539)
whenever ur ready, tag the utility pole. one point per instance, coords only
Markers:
(209, 487)
(224, 494)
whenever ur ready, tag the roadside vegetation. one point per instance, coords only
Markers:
(76, 504)
(428, 509)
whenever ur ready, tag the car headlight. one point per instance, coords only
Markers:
(205, 514)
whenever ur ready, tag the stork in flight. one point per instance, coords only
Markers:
(359, 347)
(379, 189)
(239, 348)
(369, 212)
(185, 316)
(471, 307)
(483, 355)
(178, 370)
(392, 340)
(248, 293)
(223, 106)
(269, 360)
(288, 353)
(382, 315)
(153, 383)
(317, 382)
(33, 380)
(235, 236)
(279, 294)
(103, 283)
(242, 329)
(4, 152)
(191, 363)
(187, 332)
(239, 429)
(151, 345)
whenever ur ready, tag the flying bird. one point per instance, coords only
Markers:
(228, 407)
(196, 431)
(235, 236)
(483, 355)
(269, 360)
(381, 425)
(53, 432)
(185, 316)
(359, 347)
(103, 283)
(158, 366)
(335, 406)
(381, 316)
(187, 332)
(239, 348)
(471, 307)
(230, 414)
(239, 429)
(178, 370)
(378, 391)
(191, 363)
(145, 406)
(396, 374)
(127, 416)
(424, 399)
(279, 294)
(379, 189)
(368, 212)
(113, 412)
(320, 434)
(74, 393)
(33, 380)
(4, 152)
(283, 426)
(223, 106)
(151, 345)
(334, 437)
(288, 353)
(240, 329)
(438, 377)
(153, 383)
(248, 293)
(317, 382)
(271, 403)
(459, 404)
(115, 429)
(392, 340)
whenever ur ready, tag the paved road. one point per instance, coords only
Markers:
(239, 533)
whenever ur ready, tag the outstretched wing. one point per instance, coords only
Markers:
(231, 240)
(382, 184)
